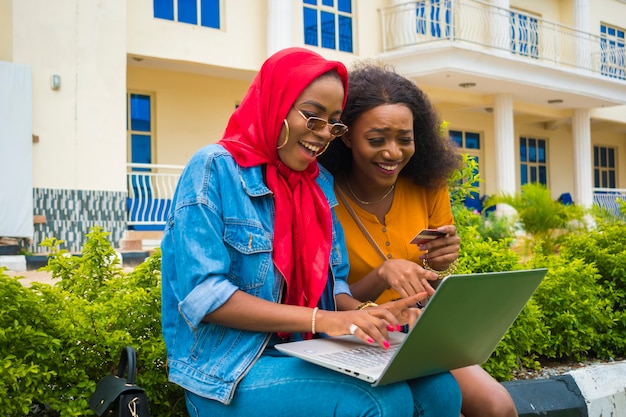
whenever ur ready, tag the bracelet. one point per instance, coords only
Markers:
(442, 274)
(313, 320)
(365, 305)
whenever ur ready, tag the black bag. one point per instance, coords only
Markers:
(116, 396)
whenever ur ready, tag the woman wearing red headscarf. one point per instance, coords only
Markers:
(253, 256)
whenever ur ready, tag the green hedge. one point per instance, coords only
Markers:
(57, 341)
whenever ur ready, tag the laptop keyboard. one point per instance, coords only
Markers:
(364, 357)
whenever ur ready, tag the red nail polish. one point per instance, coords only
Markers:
(386, 344)
(390, 328)
(398, 327)
(370, 340)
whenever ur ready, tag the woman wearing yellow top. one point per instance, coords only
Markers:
(390, 176)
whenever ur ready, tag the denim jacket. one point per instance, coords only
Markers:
(218, 239)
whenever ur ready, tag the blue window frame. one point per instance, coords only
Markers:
(189, 11)
(612, 44)
(524, 35)
(328, 23)
(140, 136)
(140, 129)
(604, 167)
(533, 161)
(469, 143)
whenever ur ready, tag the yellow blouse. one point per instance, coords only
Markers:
(413, 209)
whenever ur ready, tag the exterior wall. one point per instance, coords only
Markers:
(603, 136)
(548, 10)
(608, 12)
(241, 43)
(559, 141)
(367, 29)
(197, 75)
(71, 213)
(191, 110)
(6, 29)
(80, 158)
(81, 126)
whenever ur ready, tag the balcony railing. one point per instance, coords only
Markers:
(607, 198)
(151, 188)
(475, 24)
(150, 191)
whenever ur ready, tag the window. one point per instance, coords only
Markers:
(140, 130)
(613, 61)
(139, 147)
(469, 143)
(524, 35)
(328, 23)
(533, 161)
(433, 18)
(604, 173)
(207, 12)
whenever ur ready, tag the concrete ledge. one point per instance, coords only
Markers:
(547, 397)
(595, 391)
(604, 388)
(21, 263)
(13, 262)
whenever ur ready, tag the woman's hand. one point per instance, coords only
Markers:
(441, 252)
(406, 277)
(373, 323)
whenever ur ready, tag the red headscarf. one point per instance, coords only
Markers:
(302, 224)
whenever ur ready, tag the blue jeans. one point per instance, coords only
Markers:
(287, 387)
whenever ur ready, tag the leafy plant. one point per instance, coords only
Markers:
(62, 339)
(57, 341)
(545, 220)
(603, 248)
(575, 309)
(463, 183)
(28, 348)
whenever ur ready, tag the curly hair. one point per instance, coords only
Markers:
(372, 84)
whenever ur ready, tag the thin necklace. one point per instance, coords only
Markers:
(368, 202)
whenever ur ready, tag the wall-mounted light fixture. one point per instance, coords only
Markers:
(555, 101)
(467, 85)
(489, 110)
(55, 82)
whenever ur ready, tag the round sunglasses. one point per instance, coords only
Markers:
(315, 124)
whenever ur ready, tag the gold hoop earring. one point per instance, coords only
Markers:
(323, 150)
(286, 135)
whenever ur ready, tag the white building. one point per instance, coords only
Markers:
(535, 89)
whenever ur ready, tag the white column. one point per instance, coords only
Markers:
(506, 165)
(583, 171)
(583, 44)
(279, 25)
(581, 15)
(500, 26)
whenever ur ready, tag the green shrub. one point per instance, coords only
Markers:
(603, 248)
(58, 341)
(579, 309)
(575, 309)
(517, 349)
(28, 347)
(478, 255)
(545, 220)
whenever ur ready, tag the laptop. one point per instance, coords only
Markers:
(461, 325)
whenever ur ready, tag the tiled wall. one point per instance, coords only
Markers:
(71, 213)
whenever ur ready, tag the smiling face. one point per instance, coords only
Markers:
(323, 98)
(382, 142)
